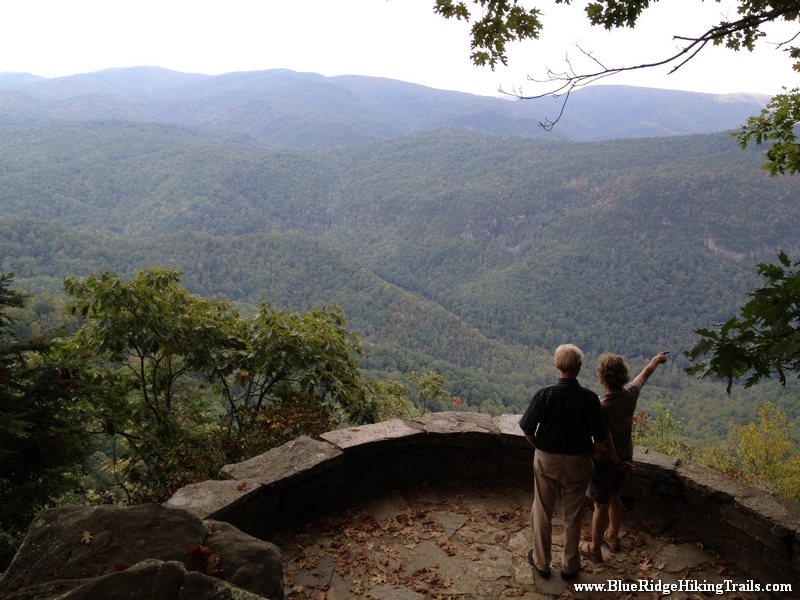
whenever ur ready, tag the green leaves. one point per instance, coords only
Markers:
(764, 340)
(150, 339)
(501, 21)
(776, 124)
(611, 14)
(430, 389)
(150, 316)
(284, 354)
(765, 453)
(44, 415)
(8, 299)
(157, 347)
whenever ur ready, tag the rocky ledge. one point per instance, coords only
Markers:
(199, 544)
(144, 552)
(306, 479)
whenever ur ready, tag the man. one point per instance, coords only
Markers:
(565, 422)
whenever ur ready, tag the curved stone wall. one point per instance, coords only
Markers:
(308, 478)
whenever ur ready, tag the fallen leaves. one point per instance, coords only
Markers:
(86, 537)
(354, 554)
(449, 547)
(637, 540)
(379, 578)
(204, 559)
(723, 568)
(365, 564)
(515, 517)
(459, 510)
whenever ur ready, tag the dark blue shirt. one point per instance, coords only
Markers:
(565, 418)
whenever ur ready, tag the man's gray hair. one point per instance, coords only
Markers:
(568, 358)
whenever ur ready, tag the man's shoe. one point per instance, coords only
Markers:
(544, 574)
(569, 576)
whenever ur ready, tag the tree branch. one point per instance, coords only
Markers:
(562, 84)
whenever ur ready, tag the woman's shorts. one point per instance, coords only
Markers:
(606, 481)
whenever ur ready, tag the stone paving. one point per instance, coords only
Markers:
(451, 541)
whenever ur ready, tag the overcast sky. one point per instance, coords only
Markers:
(398, 39)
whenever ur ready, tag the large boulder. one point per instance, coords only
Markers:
(141, 552)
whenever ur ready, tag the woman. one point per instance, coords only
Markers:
(619, 405)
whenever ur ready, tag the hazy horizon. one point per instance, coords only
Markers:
(395, 39)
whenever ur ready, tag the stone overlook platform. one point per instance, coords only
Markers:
(439, 507)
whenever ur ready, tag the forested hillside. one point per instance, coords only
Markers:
(294, 272)
(467, 254)
(513, 236)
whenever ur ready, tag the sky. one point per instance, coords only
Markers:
(397, 39)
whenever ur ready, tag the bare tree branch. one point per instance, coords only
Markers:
(562, 84)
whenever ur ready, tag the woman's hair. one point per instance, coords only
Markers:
(613, 371)
(568, 358)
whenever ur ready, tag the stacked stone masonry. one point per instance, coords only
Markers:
(305, 479)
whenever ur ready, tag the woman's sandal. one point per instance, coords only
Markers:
(612, 545)
(588, 554)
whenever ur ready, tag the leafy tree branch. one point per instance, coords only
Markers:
(764, 340)
(502, 21)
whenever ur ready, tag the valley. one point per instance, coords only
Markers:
(464, 252)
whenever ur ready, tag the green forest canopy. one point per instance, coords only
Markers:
(468, 254)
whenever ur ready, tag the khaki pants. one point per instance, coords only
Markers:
(568, 475)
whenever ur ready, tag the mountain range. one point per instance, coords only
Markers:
(304, 110)
(454, 235)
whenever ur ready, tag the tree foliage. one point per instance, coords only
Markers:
(765, 452)
(776, 124)
(662, 432)
(275, 424)
(44, 414)
(764, 340)
(430, 389)
(472, 256)
(157, 337)
(282, 355)
(175, 358)
(392, 400)
(9, 298)
(503, 20)
(500, 22)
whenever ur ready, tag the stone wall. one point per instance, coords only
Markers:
(308, 478)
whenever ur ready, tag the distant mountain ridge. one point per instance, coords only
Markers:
(283, 108)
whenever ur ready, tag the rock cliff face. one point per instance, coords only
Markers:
(142, 552)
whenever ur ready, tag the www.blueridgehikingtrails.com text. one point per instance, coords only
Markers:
(683, 585)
